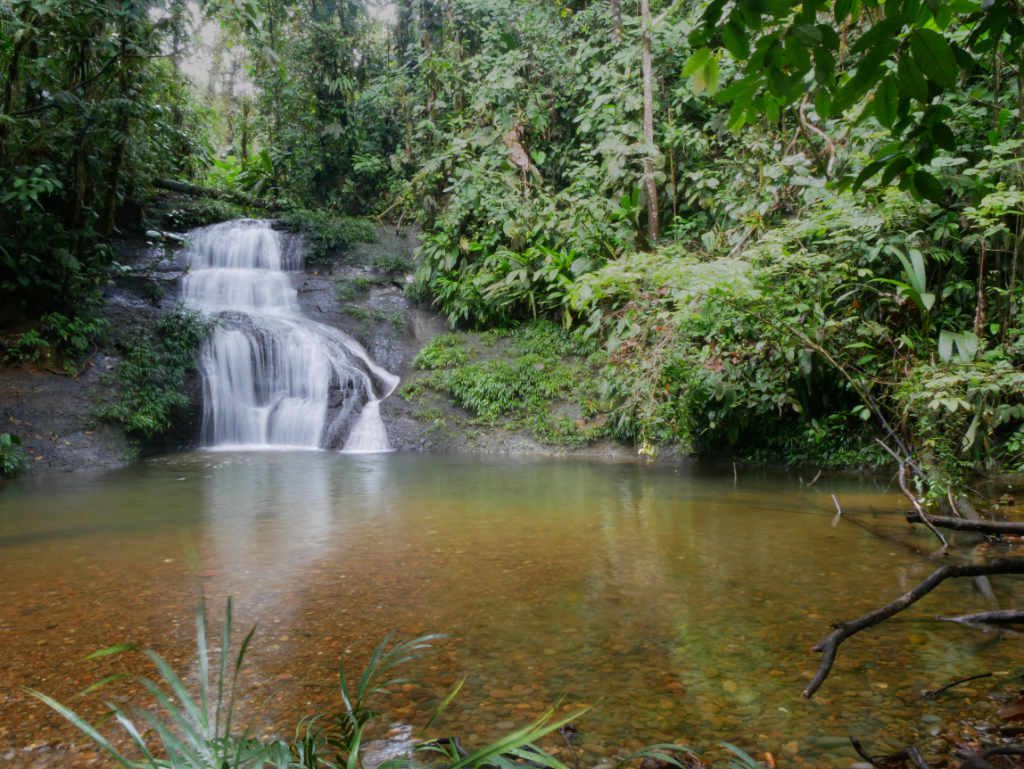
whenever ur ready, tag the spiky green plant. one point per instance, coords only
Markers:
(192, 732)
(197, 731)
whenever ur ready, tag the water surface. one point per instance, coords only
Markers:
(679, 604)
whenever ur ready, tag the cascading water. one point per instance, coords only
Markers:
(272, 377)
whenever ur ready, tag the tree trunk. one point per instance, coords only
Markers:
(650, 187)
(981, 309)
(617, 19)
(123, 127)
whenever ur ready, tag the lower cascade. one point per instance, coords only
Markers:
(272, 377)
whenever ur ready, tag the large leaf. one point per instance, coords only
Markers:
(934, 55)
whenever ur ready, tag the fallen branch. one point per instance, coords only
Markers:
(196, 191)
(965, 524)
(951, 684)
(918, 507)
(829, 646)
(909, 546)
(1003, 616)
(980, 760)
(839, 512)
(909, 753)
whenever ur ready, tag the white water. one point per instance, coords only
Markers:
(273, 378)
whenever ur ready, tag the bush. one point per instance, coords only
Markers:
(27, 347)
(328, 235)
(347, 289)
(443, 351)
(66, 339)
(391, 264)
(12, 455)
(152, 376)
(518, 378)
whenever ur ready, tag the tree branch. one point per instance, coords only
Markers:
(829, 646)
(964, 524)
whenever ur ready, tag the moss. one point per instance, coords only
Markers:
(349, 289)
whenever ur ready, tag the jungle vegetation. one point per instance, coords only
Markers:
(789, 228)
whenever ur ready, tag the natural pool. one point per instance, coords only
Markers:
(678, 603)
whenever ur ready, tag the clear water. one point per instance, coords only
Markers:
(677, 604)
(272, 377)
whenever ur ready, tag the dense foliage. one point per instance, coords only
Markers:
(790, 228)
(92, 107)
(151, 378)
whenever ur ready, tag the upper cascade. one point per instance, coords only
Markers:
(272, 377)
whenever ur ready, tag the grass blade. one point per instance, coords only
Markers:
(82, 725)
(443, 705)
(234, 678)
(223, 672)
(517, 739)
(199, 719)
(204, 662)
(108, 651)
(101, 683)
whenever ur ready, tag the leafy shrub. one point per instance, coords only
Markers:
(328, 235)
(347, 289)
(66, 339)
(391, 264)
(962, 413)
(189, 213)
(151, 377)
(443, 351)
(74, 337)
(12, 455)
(27, 347)
(517, 378)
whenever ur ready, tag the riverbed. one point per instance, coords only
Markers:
(678, 603)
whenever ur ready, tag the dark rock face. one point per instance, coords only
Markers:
(53, 414)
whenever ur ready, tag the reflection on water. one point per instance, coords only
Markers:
(682, 606)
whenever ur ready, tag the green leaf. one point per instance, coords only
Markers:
(101, 683)
(943, 136)
(711, 75)
(895, 168)
(734, 37)
(806, 34)
(696, 61)
(869, 170)
(82, 725)
(933, 54)
(927, 186)
(116, 649)
(886, 101)
(912, 82)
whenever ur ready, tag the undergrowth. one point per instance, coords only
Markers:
(12, 455)
(328, 235)
(150, 380)
(526, 378)
(59, 340)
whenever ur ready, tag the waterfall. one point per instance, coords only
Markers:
(272, 377)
